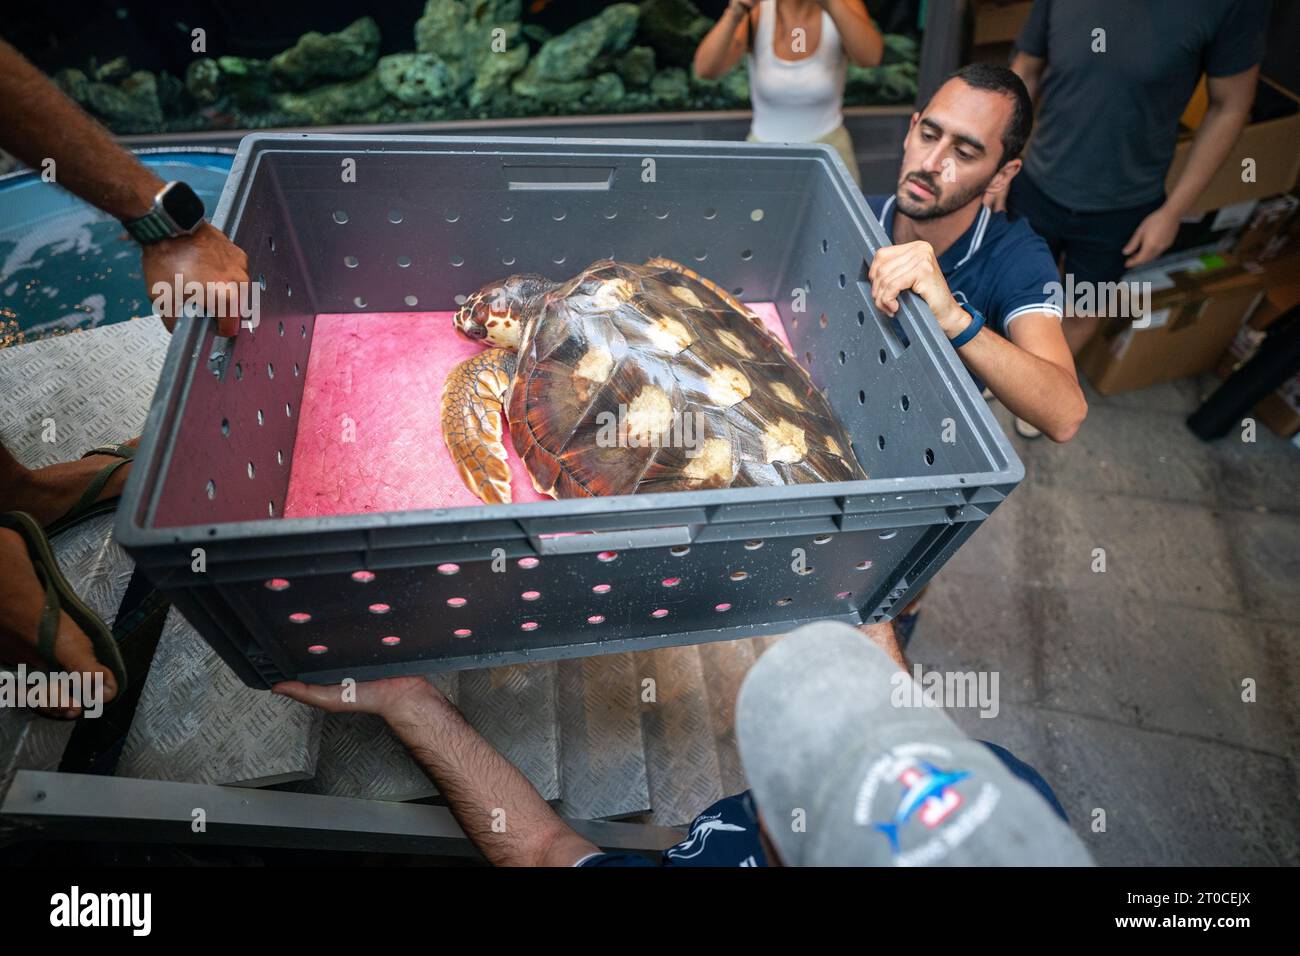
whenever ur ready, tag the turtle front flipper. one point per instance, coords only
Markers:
(473, 400)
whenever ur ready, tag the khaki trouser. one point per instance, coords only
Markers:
(842, 142)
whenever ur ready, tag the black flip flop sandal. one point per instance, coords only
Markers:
(59, 596)
(87, 507)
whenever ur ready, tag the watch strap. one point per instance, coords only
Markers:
(971, 330)
(149, 228)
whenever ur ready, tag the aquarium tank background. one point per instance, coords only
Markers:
(202, 65)
(188, 77)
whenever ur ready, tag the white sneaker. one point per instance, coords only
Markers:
(1026, 430)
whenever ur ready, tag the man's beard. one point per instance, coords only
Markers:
(943, 206)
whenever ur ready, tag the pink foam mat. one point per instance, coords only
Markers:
(369, 437)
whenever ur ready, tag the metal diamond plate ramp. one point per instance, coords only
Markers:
(94, 565)
(65, 395)
(360, 757)
(30, 742)
(602, 758)
(515, 709)
(62, 397)
(681, 754)
(725, 665)
(198, 723)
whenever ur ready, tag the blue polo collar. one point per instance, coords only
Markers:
(960, 252)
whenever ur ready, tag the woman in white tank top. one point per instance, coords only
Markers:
(798, 52)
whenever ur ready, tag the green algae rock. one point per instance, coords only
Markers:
(674, 28)
(131, 106)
(114, 71)
(670, 87)
(333, 104)
(571, 55)
(418, 78)
(736, 83)
(464, 29)
(247, 80)
(481, 40)
(606, 95)
(729, 92)
(328, 56)
(636, 67)
(203, 80)
(493, 72)
(141, 89)
(74, 83)
(172, 96)
(536, 32)
(552, 97)
(891, 83)
(111, 105)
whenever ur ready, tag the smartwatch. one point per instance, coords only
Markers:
(971, 330)
(177, 211)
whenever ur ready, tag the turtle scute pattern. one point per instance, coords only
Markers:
(708, 397)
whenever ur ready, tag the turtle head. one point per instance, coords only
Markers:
(497, 313)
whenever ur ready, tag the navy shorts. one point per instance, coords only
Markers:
(1092, 243)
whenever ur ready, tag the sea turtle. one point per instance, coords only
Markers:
(632, 378)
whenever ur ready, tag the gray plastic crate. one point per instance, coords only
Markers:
(762, 220)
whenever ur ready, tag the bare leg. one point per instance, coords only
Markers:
(49, 492)
(45, 493)
(22, 600)
(13, 480)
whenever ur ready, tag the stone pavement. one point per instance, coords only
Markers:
(1124, 688)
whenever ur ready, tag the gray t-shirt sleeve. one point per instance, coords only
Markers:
(1033, 35)
(1238, 43)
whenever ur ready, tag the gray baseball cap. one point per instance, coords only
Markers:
(843, 776)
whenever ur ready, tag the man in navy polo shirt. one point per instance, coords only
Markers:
(991, 283)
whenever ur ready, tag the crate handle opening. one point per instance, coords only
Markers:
(611, 542)
(559, 177)
(896, 338)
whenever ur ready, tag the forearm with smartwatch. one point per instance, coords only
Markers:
(41, 126)
(38, 123)
(1031, 372)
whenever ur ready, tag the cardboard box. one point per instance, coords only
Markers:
(1267, 235)
(1279, 298)
(1280, 411)
(1196, 309)
(1282, 275)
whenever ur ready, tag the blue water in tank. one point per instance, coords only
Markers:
(64, 265)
